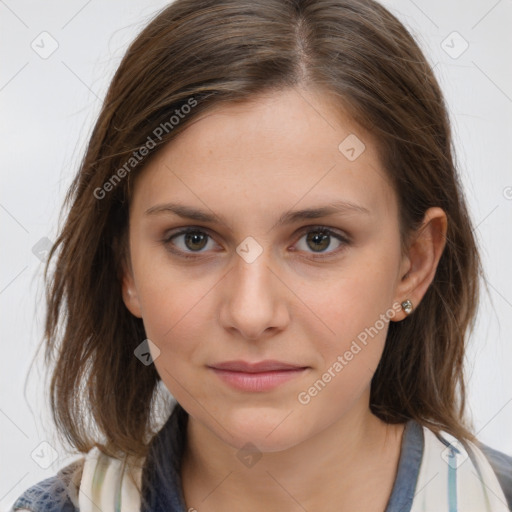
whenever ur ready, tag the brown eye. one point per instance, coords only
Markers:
(195, 240)
(319, 239)
(187, 241)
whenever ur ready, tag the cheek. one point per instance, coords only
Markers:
(177, 313)
(165, 293)
(176, 322)
(354, 338)
(351, 303)
(173, 313)
(356, 310)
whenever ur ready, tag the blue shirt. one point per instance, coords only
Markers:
(165, 494)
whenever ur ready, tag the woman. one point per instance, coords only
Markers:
(268, 223)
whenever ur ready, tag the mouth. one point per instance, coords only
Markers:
(257, 377)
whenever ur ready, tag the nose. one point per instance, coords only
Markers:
(254, 299)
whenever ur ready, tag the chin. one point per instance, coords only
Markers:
(270, 430)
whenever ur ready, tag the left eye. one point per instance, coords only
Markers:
(320, 239)
(194, 240)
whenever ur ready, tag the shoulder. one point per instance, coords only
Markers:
(466, 472)
(58, 493)
(501, 463)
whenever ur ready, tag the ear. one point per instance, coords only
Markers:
(419, 265)
(129, 291)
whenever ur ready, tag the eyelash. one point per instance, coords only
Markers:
(308, 229)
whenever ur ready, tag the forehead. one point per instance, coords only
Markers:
(267, 154)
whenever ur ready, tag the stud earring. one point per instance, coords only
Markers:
(407, 306)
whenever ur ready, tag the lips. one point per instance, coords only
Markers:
(257, 377)
(258, 367)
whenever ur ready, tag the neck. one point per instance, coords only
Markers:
(351, 465)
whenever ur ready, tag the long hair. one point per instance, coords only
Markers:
(195, 54)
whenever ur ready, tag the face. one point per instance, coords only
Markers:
(253, 282)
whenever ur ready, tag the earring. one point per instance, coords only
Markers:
(407, 306)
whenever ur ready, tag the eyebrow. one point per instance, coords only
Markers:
(290, 217)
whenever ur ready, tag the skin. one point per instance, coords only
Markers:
(248, 164)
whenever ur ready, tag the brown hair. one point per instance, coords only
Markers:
(203, 52)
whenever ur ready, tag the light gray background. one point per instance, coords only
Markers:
(48, 107)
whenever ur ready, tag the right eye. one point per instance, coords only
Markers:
(190, 241)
